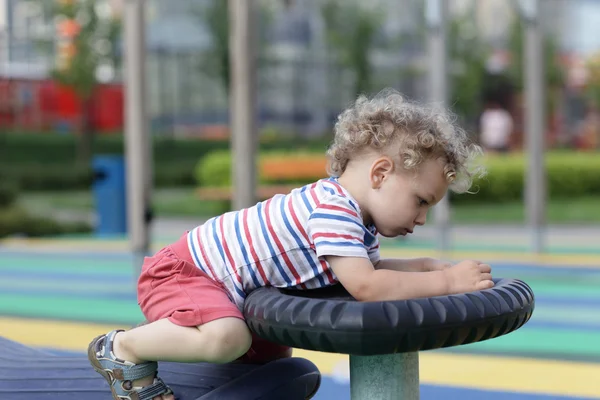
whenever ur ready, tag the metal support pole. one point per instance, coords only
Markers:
(137, 140)
(535, 181)
(436, 13)
(385, 377)
(318, 102)
(243, 100)
(9, 32)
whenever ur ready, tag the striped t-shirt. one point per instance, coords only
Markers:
(282, 241)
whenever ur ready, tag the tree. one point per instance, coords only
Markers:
(86, 41)
(467, 54)
(351, 31)
(592, 87)
(215, 17)
(554, 74)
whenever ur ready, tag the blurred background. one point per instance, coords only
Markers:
(63, 172)
(62, 96)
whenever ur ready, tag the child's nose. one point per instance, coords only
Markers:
(421, 218)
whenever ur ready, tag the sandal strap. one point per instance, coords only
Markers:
(133, 372)
(109, 339)
(122, 371)
(151, 391)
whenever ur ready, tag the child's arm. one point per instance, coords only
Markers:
(365, 283)
(338, 235)
(423, 264)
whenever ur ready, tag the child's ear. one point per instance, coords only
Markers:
(381, 169)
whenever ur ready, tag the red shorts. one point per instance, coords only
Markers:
(171, 286)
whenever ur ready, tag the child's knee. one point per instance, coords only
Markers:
(230, 339)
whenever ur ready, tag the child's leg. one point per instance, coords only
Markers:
(192, 320)
(219, 341)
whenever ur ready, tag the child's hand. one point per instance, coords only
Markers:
(433, 264)
(468, 276)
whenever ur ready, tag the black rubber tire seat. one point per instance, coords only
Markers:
(330, 320)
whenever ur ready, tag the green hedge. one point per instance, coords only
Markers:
(41, 176)
(8, 192)
(570, 174)
(52, 148)
(61, 177)
(48, 161)
(16, 221)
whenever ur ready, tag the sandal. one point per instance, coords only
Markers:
(120, 373)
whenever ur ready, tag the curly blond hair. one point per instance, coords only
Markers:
(407, 131)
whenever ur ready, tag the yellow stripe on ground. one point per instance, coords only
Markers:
(473, 371)
(70, 336)
(512, 374)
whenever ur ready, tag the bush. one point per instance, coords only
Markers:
(48, 161)
(16, 221)
(8, 192)
(214, 169)
(53, 148)
(569, 174)
(48, 176)
(34, 177)
(174, 174)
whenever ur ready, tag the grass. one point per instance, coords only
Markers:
(166, 202)
(584, 210)
(184, 203)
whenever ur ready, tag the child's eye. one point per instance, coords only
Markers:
(422, 202)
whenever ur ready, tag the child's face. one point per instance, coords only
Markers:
(400, 200)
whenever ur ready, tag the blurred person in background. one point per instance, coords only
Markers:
(496, 127)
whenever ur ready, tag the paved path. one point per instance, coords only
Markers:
(558, 239)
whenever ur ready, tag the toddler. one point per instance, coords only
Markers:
(391, 160)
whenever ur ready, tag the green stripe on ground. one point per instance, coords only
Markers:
(584, 315)
(564, 315)
(61, 264)
(63, 307)
(565, 289)
(543, 341)
(567, 280)
(527, 339)
(124, 286)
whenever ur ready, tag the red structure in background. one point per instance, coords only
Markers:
(43, 105)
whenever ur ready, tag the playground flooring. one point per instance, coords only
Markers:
(60, 294)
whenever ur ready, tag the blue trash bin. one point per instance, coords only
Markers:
(109, 195)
